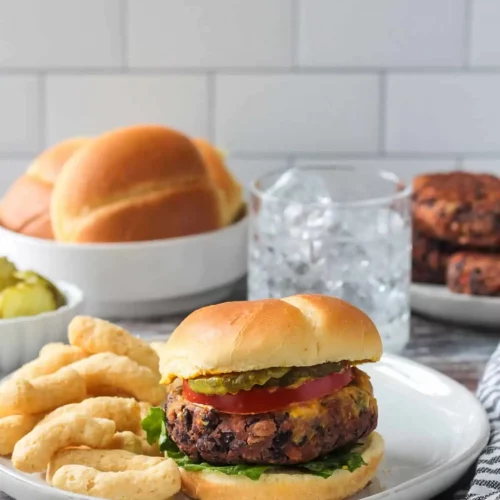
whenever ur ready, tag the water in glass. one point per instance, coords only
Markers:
(338, 231)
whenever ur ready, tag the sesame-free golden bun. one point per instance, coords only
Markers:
(137, 183)
(302, 330)
(339, 486)
(25, 208)
(230, 190)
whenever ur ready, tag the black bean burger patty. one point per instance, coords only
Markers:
(429, 259)
(474, 273)
(296, 434)
(459, 207)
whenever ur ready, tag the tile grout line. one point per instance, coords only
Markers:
(42, 111)
(467, 42)
(294, 33)
(124, 46)
(382, 109)
(311, 156)
(346, 155)
(16, 156)
(249, 71)
(211, 105)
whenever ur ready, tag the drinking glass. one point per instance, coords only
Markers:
(336, 230)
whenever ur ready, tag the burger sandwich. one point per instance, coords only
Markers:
(266, 401)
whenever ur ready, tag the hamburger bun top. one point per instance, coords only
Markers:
(48, 165)
(302, 330)
(25, 207)
(138, 183)
(230, 190)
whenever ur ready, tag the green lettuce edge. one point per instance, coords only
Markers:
(156, 431)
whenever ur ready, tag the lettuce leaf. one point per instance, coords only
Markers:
(156, 431)
(154, 425)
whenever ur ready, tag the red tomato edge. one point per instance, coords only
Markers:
(260, 400)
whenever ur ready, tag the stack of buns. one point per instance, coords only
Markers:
(132, 184)
(456, 231)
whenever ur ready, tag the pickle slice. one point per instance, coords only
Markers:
(303, 373)
(231, 383)
(7, 270)
(25, 299)
(234, 382)
(37, 279)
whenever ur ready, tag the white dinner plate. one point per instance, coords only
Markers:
(434, 429)
(439, 302)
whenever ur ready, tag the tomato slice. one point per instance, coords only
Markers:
(260, 400)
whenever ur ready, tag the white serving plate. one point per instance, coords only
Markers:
(22, 338)
(144, 279)
(439, 302)
(434, 429)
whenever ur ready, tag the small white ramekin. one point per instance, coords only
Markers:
(22, 338)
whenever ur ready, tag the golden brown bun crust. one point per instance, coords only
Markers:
(302, 330)
(229, 188)
(135, 184)
(25, 207)
(47, 166)
(339, 486)
(126, 222)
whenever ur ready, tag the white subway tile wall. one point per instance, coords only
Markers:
(10, 170)
(407, 85)
(489, 166)
(390, 33)
(60, 34)
(249, 170)
(19, 114)
(213, 34)
(404, 168)
(294, 113)
(90, 105)
(443, 113)
(485, 47)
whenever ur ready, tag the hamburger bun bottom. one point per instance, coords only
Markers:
(339, 486)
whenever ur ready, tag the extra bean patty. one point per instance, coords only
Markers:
(473, 273)
(429, 259)
(296, 434)
(459, 207)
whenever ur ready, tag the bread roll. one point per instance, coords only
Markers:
(342, 484)
(135, 184)
(230, 190)
(302, 330)
(25, 207)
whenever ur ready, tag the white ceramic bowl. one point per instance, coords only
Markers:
(133, 280)
(22, 338)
